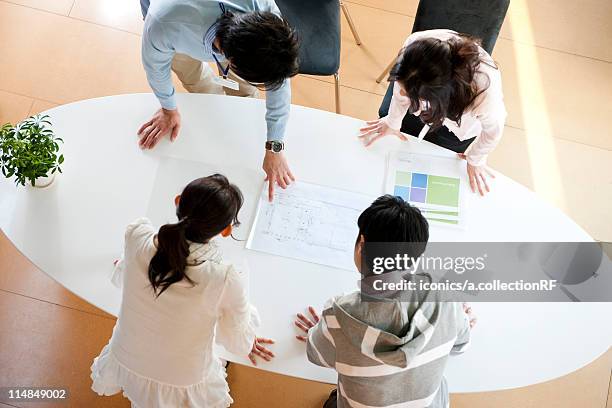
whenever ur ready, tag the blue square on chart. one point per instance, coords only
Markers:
(402, 191)
(419, 180)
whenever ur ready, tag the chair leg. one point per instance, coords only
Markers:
(350, 22)
(385, 72)
(337, 89)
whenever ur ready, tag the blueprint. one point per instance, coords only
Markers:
(310, 223)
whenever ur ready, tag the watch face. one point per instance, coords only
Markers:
(276, 147)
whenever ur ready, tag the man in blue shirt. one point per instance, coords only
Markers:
(252, 46)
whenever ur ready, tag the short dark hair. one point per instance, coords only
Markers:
(442, 74)
(391, 219)
(261, 47)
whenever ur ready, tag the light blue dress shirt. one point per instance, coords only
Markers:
(188, 27)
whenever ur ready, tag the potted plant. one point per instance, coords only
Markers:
(29, 152)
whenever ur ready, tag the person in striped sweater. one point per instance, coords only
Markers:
(387, 352)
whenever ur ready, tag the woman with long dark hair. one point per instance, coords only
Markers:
(448, 91)
(179, 298)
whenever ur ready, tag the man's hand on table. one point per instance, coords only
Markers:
(277, 171)
(305, 324)
(260, 350)
(163, 122)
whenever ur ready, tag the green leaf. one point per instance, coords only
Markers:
(29, 149)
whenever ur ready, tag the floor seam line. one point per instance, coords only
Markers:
(317, 78)
(33, 97)
(56, 304)
(31, 107)
(583, 143)
(34, 8)
(105, 26)
(71, 17)
(378, 8)
(553, 50)
(609, 385)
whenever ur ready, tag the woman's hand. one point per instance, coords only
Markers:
(305, 324)
(260, 350)
(376, 129)
(478, 176)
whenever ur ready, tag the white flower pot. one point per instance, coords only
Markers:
(43, 182)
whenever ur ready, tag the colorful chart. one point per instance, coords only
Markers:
(433, 184)
(424, 190)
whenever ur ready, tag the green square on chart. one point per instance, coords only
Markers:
(443, 191)
(454, 222)
(403, 178)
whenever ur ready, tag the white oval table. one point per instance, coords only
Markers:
(74, 230)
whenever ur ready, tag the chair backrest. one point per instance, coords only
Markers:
(144, 7)
(318, 25)
(479, 18)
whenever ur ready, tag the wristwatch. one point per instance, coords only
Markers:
(275, 146)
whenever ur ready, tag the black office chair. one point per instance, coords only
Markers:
(480, 18)
(318, 25)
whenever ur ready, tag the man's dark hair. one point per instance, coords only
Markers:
(261, 47)
(392, 220)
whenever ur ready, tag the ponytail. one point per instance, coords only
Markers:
(206, 207)
(169, 263)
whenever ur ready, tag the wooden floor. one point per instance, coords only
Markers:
(556, 61)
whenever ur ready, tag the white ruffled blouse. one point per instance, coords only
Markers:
(161, 353)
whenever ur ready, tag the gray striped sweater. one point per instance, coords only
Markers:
(389, 353)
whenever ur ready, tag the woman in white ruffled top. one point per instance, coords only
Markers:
(178, 300)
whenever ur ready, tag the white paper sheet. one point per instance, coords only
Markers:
(309, 222)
